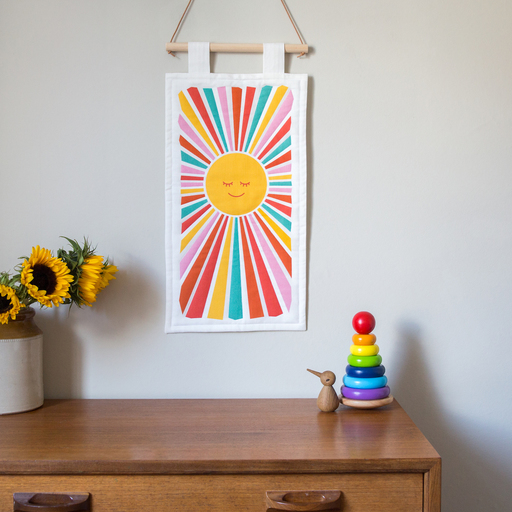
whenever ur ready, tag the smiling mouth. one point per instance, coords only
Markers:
(236, 196)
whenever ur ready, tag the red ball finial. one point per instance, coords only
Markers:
(363, 322)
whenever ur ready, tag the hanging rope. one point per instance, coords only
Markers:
(179, 23)
(294, 26)
(292, 21)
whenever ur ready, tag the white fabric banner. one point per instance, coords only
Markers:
(235, 197)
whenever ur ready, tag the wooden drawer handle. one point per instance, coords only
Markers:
(303, 501)
(51, 502)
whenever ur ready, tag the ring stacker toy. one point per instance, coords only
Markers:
(364, 384)
(327, 400)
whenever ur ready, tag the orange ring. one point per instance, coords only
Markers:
(364, 339)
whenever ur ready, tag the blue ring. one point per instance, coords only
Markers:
(377, 382)
(365, 373)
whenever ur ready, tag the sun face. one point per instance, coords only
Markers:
(236, 202)
(236, 184)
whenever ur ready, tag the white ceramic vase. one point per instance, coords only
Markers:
(21, 364)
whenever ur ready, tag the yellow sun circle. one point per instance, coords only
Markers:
(236, 183)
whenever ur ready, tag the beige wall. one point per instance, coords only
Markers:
(410, 157)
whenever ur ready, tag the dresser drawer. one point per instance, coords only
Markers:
(362, 492)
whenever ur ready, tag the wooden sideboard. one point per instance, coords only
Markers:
(217, 455)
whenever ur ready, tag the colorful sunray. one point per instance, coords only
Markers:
(236, 202)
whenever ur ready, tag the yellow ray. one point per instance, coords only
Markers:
(186, 239)
(278, 96)
(277, 230)
(219, 293)
(281, 177)
(189, 112)
(191, 190)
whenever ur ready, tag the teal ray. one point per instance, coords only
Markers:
(286, 144)
(235, 295)
(262, 101)
(280, 184)
(185, 157)
(215, 112)
(284, 222)
(187, 210)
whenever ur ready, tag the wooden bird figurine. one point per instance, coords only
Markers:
(327, 400)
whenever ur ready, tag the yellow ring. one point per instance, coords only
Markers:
(364, 339)
(370, 350)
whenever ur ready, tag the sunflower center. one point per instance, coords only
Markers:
(44, 278)
(5, 304)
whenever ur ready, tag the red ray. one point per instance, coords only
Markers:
(199, 301)
(249, 96)
(191, 178)
(237, 102)
(271, 301)
(255, 307)
(287, 210)
(277, 137)
(280, 250)
(196, 98)
(190, 281)
(189, 199)
(188, 146)
(287, 156)
(279, 197)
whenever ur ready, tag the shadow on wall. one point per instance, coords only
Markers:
(62, 354)
(472, 478)
(129, 302)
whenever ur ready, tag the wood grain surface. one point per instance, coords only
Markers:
(221, 493)
(217, 455)
(209, 436)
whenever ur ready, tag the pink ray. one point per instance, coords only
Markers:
(285, 169)
(191, 184)
(190, 170)
(283, 111)
(192, 134)
(284, 190)
(225, 111)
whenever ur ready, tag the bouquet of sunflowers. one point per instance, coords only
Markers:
(75, 276)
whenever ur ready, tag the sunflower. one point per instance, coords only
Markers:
(9, 304)
(46, 278)
(90, 279)
(106, 276)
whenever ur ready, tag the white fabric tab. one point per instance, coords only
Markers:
(273, 58)
(198, 58)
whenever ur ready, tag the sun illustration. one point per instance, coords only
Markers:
(236, 202)
(236, 184)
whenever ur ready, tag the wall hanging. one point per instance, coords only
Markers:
(235, 196)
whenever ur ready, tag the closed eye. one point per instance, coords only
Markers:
(227, 184)
(245, 184)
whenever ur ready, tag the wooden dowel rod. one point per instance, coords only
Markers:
(237, 48)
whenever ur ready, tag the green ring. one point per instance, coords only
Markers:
(364, 361)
